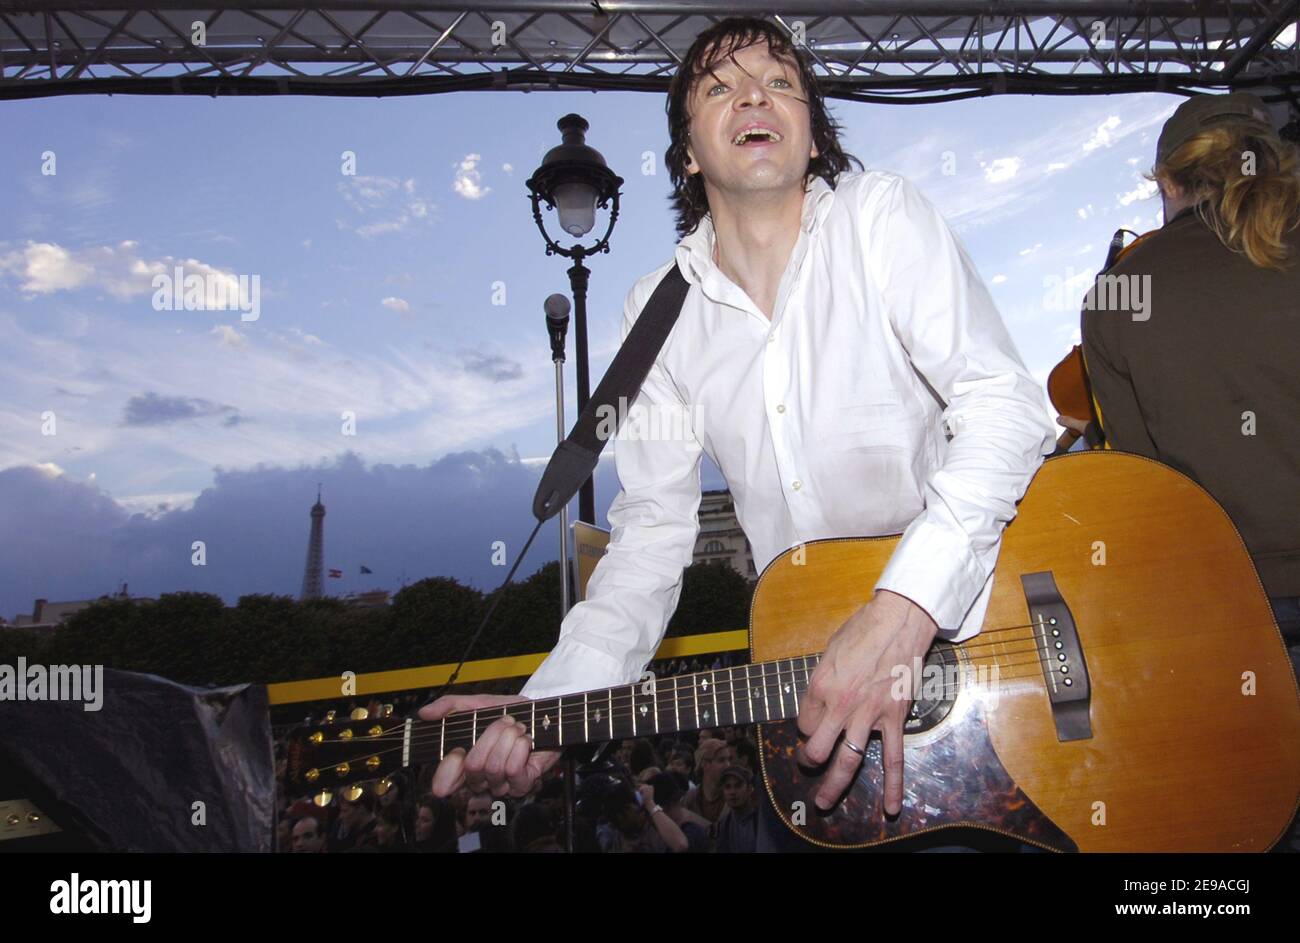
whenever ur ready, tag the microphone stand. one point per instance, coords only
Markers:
(557, 323)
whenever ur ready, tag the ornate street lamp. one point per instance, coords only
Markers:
(574, 179)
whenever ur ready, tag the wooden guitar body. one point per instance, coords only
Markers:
(1188, 738)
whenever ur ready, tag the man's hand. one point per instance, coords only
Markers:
(1075, 425)
(501, 762)
(850, 693)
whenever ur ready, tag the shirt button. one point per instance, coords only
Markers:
(780, 407)
(796, 484)
(771, 338)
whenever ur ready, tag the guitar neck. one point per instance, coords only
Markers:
(745, 694)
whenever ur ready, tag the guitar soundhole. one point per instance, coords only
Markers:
(940, 681)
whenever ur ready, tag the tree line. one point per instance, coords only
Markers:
(195, 638)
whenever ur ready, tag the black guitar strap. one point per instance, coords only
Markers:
(575, 458)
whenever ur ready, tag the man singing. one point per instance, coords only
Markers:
(844, 366)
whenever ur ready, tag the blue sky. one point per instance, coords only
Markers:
(377, 297)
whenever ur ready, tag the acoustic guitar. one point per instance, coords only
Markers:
(1129, 690)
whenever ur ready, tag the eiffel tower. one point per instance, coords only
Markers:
(311, 577)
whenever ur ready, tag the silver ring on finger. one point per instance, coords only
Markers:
(854, 747)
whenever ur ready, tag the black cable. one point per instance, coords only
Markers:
(491, 609)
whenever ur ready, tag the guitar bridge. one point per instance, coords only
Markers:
(1060, 655)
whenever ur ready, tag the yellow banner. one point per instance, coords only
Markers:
(489, 669)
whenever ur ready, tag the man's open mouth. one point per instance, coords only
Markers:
(757, 136)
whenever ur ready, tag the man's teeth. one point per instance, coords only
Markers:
(745, 136)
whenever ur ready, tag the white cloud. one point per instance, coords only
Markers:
(468, 182)
(1143, 191)
(997, 279)
(1043, 159)
(508, 168)
(45, 268)
(400, 305)
(1004, 168)
(1102, 137)
(395, 199)
(227, 336)
(304, 336)
(1032, 249)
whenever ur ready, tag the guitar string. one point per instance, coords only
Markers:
(619, 699)
(423, 740)
(428, 737)
(615, 703)
(622, 705)
(429, 731)
(965, 647)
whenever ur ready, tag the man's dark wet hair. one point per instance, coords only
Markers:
(719, 42)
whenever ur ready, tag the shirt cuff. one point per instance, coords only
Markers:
(937, 570)
(572, 667)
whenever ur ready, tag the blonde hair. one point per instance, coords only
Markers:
(706, 751)
(1249, 212)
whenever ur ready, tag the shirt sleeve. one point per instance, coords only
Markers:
(945, 319)
(1121, 416)
(608, 638)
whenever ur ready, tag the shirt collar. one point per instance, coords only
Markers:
(1185, 211)
(695, 251)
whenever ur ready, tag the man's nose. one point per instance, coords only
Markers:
(752, 92)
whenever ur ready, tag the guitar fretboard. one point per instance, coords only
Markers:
(745, 694)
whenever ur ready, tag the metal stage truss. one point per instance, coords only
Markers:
(919, 51)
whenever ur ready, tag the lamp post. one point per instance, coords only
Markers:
(574, 178)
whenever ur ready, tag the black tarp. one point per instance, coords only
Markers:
(128, 776)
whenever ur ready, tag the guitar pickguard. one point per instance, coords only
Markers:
(953, 766)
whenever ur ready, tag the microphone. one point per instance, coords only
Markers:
(557, 324)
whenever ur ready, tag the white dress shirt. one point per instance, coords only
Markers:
(884, 396)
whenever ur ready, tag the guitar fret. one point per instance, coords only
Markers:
(586, 734)
(474, 730)
(780, 692)
(781, 682)
(677, 704)
(559, 720)
(611, 713)
(717, 719)
(442, 744)
(632, 699)
(762, 679)
(695, 693)
(744, 698)
(732, 678)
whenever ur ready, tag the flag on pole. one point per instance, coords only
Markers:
(365, 569)
(336, 574)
